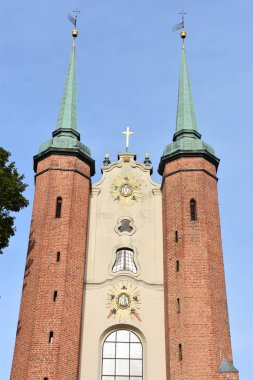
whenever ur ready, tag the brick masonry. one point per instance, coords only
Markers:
(34, 357)
(202, 326)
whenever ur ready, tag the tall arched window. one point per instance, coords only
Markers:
(122, 357)
(58, 207)
(124, 261)
(193, 209)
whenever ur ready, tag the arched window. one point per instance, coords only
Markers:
(193, 209)
(122, 357)
(58, 207)
(124, 261)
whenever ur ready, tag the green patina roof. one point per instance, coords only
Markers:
(68, 115)
(186, 139)
(65, 137)
(227, 367)
(188, 143)
(64, 142)
(186, 118)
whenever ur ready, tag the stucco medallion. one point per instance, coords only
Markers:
(124, 302)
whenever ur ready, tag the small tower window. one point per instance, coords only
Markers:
(180, 352)
(177, 266)
(58, 207)
(55, 295)
(178, 305)
(176, 236)
(193, 210)
(124, 261)
(58, 256)
(51, 335)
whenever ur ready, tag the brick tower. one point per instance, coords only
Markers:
(196, 317)
(49, 327)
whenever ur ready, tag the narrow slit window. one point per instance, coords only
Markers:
(124, 261)
(58, 207)
(180, 353)
(176, 236)
(193, 210)
(58, 256)
(178, 305)
(55, 295)
(177, 266)
(51, 336)
(45, 378)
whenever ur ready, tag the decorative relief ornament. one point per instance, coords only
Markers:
(124, 302)
(126, 190)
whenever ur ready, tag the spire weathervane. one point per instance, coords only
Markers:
(181, 26)
(73, 20)
(183, 13)
(128, 133)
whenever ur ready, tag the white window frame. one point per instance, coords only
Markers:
(117, 358)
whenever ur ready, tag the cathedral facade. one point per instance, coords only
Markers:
(124, 278)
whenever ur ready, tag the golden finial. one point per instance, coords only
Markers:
(106, 161)
(183, 34)
(147, 160)
(74, 21)
(74, 33)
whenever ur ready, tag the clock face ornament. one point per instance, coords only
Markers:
(124, 302)
(126, 190)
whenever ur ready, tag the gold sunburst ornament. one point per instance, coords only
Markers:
(124, 302)
(126, 190)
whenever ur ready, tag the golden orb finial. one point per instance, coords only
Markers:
(74, 33)
(183, 34)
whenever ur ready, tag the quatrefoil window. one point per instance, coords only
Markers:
(125, 226)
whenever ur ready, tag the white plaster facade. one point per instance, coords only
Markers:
(145, 240)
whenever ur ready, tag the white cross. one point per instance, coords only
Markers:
(128, 133)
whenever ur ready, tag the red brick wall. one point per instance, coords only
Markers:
(202, 325)
(34, 357)
(229, 376)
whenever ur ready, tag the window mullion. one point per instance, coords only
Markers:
(129, 354)
(124, 259)
(116, 339)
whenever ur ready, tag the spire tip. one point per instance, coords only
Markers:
(73, 20)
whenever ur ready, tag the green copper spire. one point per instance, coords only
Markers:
(68, 115)
(66, 139)
(186, 140)
(186, 119)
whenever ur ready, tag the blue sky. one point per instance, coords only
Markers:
(128, 64)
